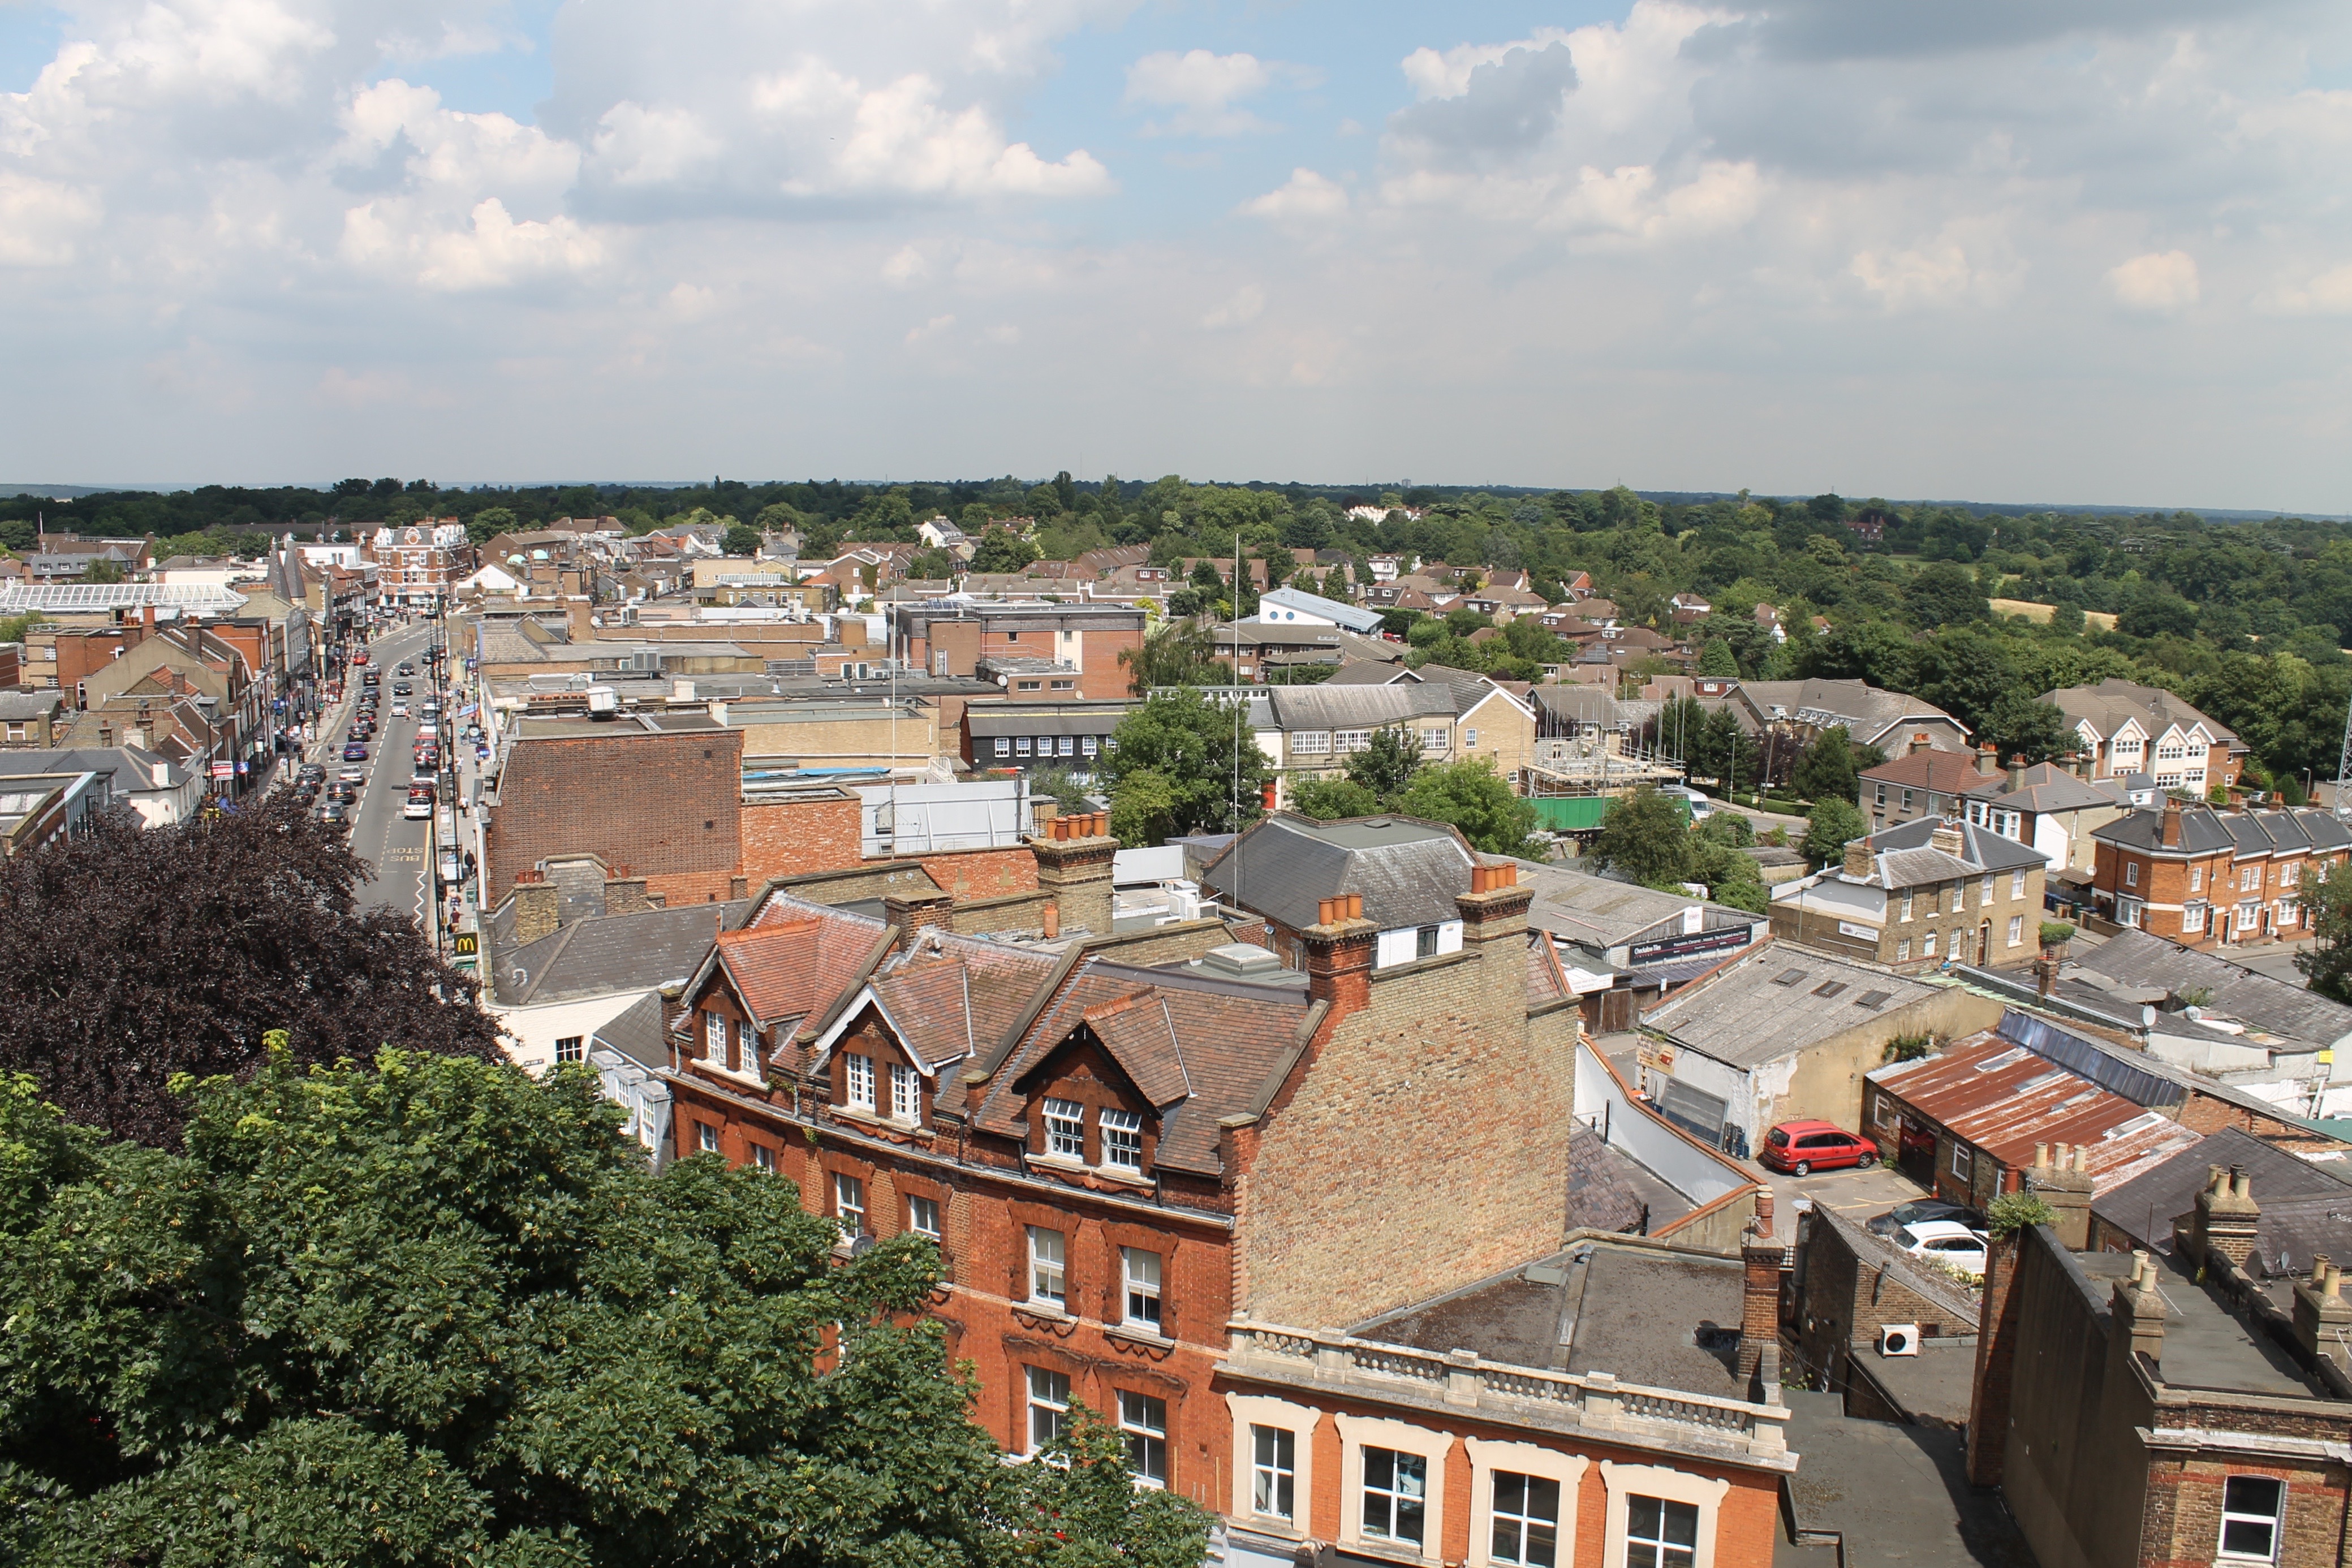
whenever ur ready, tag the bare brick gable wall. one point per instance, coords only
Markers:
(794, 837)
(1337, 1205)
(665, 806)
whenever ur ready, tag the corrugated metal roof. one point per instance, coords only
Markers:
(1998, 1096)
(1779, 1001)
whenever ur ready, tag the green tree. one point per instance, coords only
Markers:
(1385, 768)
(1471, 796)
(741, 539)
(2326, 894)
(1332, 800)
(1830, 825)
(437, 1312)
(102, 571)
(1944, 595)
(1643, 838)
(1826, 770)
(1717, 659)
(2023, 726)
(488, 523)
(1193, 766)
(1001, 550)
(1181, 653)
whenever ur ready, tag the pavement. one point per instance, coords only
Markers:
(2276, 960)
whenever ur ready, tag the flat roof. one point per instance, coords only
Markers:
(2206, 1345)
(1645, 1312)
(1777, 1000)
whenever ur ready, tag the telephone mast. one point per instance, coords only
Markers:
(2343, 773)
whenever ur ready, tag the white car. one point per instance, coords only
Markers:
(352, 775)
(399, 709)
(1944, 1241)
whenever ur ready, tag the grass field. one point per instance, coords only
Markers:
(2040, 613)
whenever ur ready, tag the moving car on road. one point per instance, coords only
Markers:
(1800, 1147)
(333, 815)
(356, 752)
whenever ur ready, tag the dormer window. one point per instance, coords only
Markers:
(1122, 1140)
(905, 1099)
(714, 1038)
(1066, 1130)
(858, 1081)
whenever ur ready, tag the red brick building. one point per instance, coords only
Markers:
(418, 564)
(2206, 878)
(661, 806)
(1071, 650)
(1122, 1144)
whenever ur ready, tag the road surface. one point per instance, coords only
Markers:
(389, 843)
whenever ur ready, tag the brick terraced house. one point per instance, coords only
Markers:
(2206, 878)
(2126, 728)
(1143, 1155)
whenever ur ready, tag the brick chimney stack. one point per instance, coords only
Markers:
(2065, 1186)
(2140, 1309)
(1340, 947)
(1988, 760)
(2323, 1317)
(538, 907)
(1857, 860)
(1074, 870)
(1495, 906)
(1918, 742)
(2016, 774)
(1761, 1261)
(2226, 1217)
(2171, 824)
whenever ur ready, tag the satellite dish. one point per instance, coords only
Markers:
(863, 1244)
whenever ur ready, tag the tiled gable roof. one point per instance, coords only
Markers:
(2115, 702)
(1946, 773)
(795, 960)
(1212, 1044)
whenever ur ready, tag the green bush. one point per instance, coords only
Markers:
(2013, 1211)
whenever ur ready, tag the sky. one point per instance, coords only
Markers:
(2092, 251)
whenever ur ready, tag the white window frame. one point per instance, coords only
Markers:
(857, 1080)
(1490, 1457)
(1358, 1432)
(1141, 1274)
(714, 1035)
(1136, 1424)
(2275, 1521)
(1061, 1115)
(1003, 746)
(707, 1137)
(1903, 950)
(906, 1094)
(2017, 883)
(1046, 1393)
(1927, 945)
(1249, 1410)
(1122, 1132)
(1624, 1481)
(1963, 1162)
(2127, 911)
(2017, 930)
(1432, 739)
(1469, 737)
(1311, 743)
(1406, 1480)
(848, 1205)
(763, 1159)
(1345, 741)
(1049, 1269)
(2131, 873)
(2192, 918)
(1274, 1471)
(1904, 912)
(923, 1217)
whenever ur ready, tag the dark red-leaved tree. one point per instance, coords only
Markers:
(131, 955)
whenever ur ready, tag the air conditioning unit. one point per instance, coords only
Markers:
(1898, 1338)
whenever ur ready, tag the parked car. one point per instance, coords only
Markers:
(1800, 1147)
(1947, 1242)
(333, 815)
(344, 795)
(356, 752)
(312, 772)
(1919, 1210)
(402, 688)
(360, 658)
(419, 808)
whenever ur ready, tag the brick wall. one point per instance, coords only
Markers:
(794, 837)
(2182, 1520)
(1431, 1119)
(666, 806)
(984, 873)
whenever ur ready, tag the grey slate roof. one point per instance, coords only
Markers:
(2305, 1208)
(1777, 1001)
(2046, 787)
(19, 706)
(2247, 833)
(2138, 958)
(131, 768)
(1407, 870)
(1982, 850)
(1602, 913)
(601, 954)
(2115, 700)
(1350, 707)
(638, 1033)
(1868, 712)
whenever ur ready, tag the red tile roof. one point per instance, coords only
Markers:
(1946, 772)
(798, 960)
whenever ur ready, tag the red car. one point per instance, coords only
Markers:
(1800, 1147)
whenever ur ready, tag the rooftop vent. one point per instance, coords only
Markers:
(1830, 989)
(1241, 958)
(1873, 999)
(1788, 977)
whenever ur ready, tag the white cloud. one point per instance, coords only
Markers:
(2160, 283)
(2328, 294)
(1244, 306)
(488, 250)
(1305, 195)
(1204, 88)
(41, 221)
(1447, 75)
